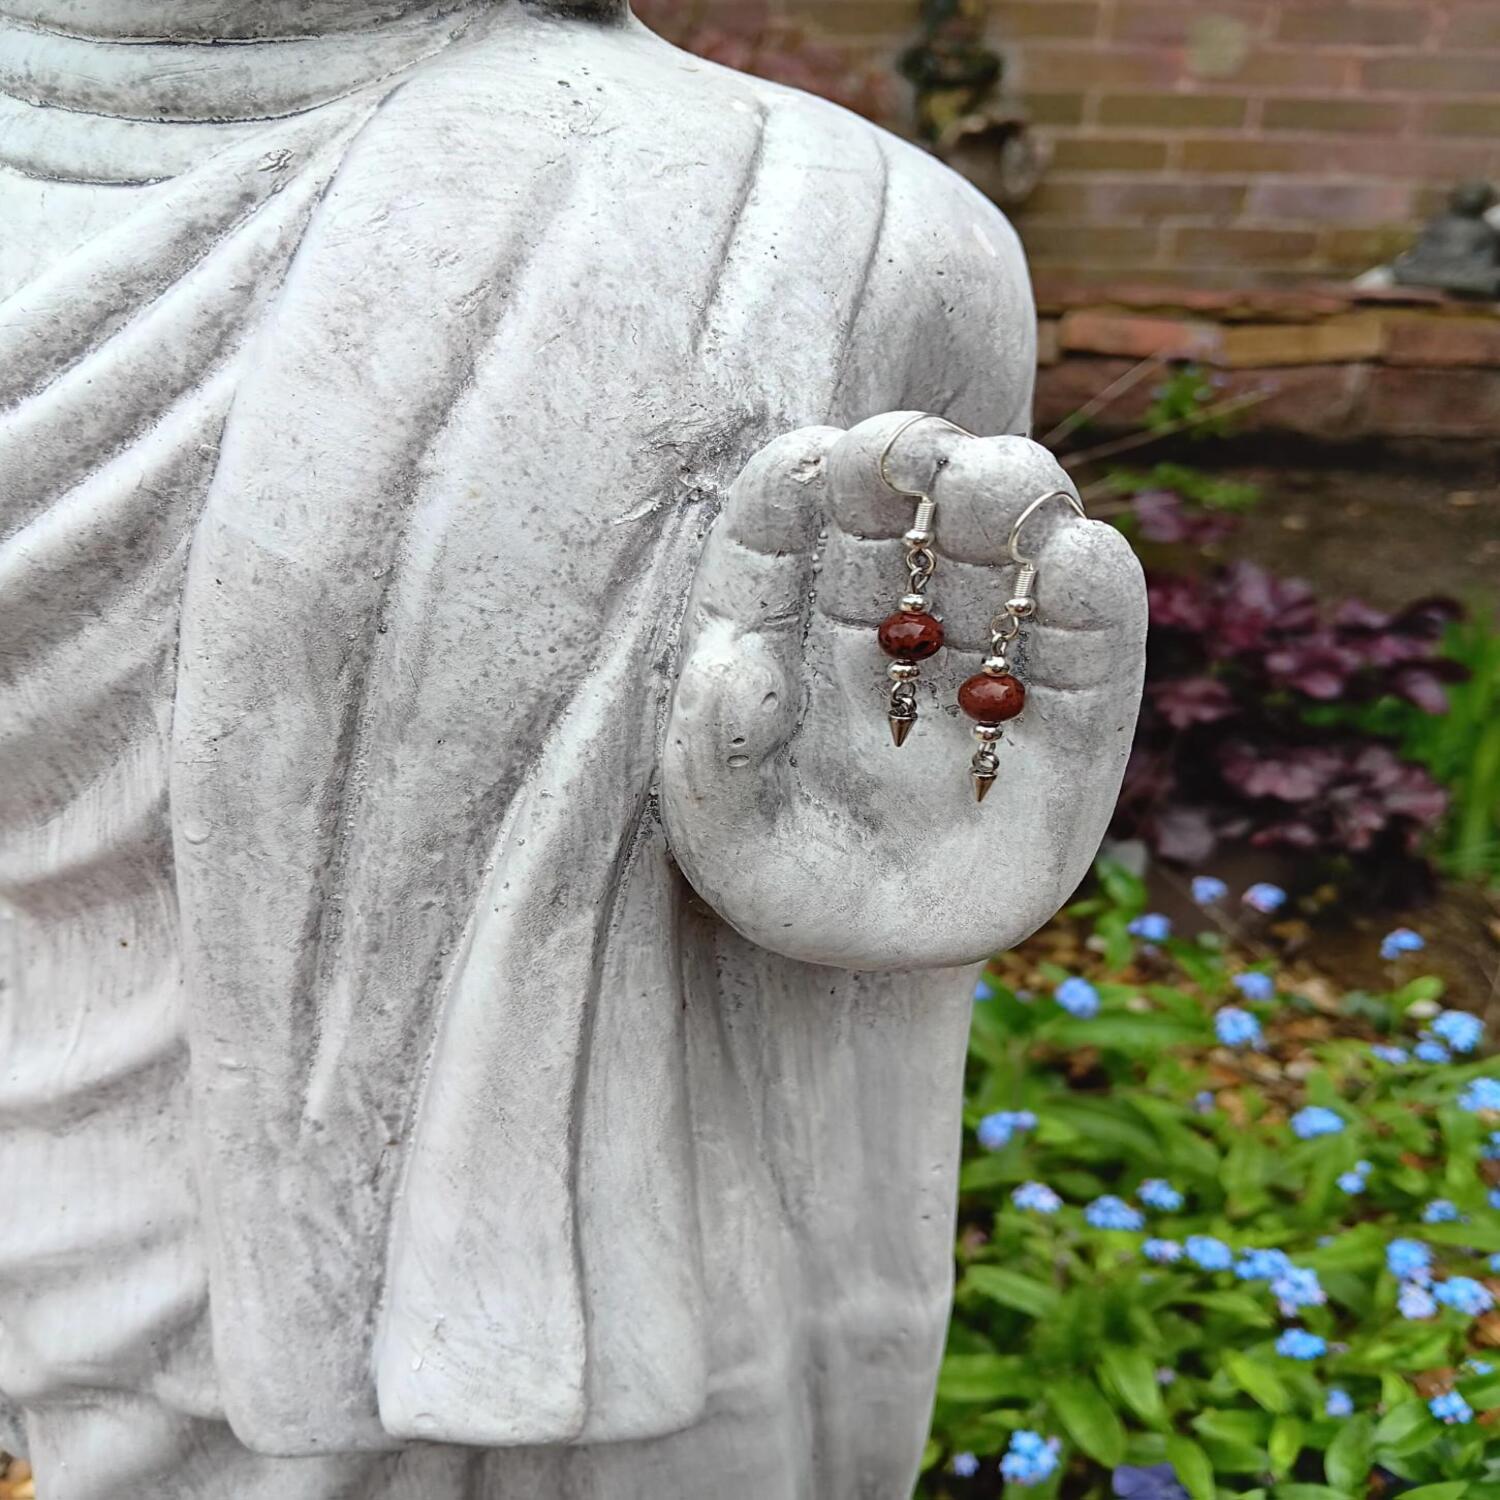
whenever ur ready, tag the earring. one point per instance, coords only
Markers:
(994, 695)
(913, 633)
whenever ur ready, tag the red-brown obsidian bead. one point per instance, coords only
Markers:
(911, 635)
(992, 700)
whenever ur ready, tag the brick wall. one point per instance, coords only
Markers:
(1220, 142)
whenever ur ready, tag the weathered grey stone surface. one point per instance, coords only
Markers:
(394, 405)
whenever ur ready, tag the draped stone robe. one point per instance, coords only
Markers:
(370, 1075)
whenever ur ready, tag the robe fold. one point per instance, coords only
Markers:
(346, 516)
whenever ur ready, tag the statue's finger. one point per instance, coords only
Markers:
(757, 561)
(740, 683)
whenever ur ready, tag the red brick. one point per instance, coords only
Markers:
(1355, 26)
(868, 19)
(1107, 154)
(1239, 247)
(1410, 403)
(1352, 339)
(1136, 337)
(1071, 19)
(1316, 400)
(1089, 244)
(1245, 158)
(1120, 200)
(1048, 351)
(1437, 73)
(1473, 26)
(1287, 155)
(1291, 70)
(1053, 109)
(1335, 116)
(1443, 341)
(1359, 249)
(1479, 117)
(1337, 203)
(1173, 111)
(1237, 305)
(1071, 383)
(1175, 24)
(1051, 66)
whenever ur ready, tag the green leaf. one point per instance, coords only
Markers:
(1308, 1492)
(1108, 1124)
(1426, 987)
(1484, 1237)
(1360, 1249)
(984, 1377)
(1286, 1443)
(1347, 1461)
(1133, 1375)
(930, 1455)
(1194, 1472)
(1136, 1036)
(1234, 1426)
(1454, 1489)
(1407, 1428)
(1240, 1306)
(1236, 1458)
(1121, 887)
(1261, 1383)
(1089, 1419)
(1246, 1168)
(1012, 1289)
(1481, 1392)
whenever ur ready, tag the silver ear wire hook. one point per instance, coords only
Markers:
(1026, 515)
(1021, 605)
(885, 453)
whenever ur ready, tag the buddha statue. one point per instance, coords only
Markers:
(1458, 251)
(485, 1000)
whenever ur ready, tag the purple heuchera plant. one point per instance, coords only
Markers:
(1237, 661)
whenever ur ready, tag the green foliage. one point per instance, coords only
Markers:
(1461, 749)
(1068, 1330)
(1196, 486)
(1184, 396)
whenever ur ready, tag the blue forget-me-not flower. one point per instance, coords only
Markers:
(1036, 1198)
(1078, 997)
(1314, 1120)
(1110, 1212)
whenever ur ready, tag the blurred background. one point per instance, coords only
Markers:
(1213, 1106)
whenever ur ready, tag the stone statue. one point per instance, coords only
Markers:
(382, 1114)
(1458, 251)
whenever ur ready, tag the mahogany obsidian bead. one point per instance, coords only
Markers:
(992, 700)
(910, 635)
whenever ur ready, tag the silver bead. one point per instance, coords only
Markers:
(914, 603)
(997, 665)
(903, 671)
(988, 733)
(917, 538)
(1021, 607)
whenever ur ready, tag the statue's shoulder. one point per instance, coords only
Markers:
(539, 96)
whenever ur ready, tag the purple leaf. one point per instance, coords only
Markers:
(1185, 701)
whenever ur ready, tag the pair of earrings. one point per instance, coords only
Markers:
(992, 696)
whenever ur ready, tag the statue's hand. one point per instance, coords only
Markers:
(786, 803)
